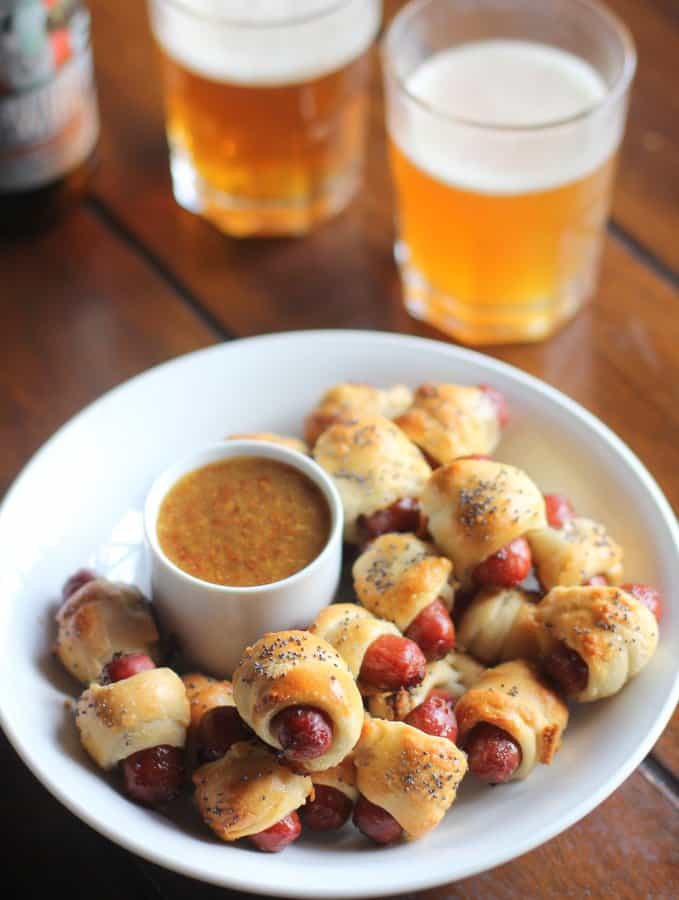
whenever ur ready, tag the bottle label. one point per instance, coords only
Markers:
(48, 108)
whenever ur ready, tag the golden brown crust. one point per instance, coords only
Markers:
(573, 554)
(475, 507)
(455, 674)
(499, 625)
(205, 693)
(347, 402)
(283, 440)
(373, 464)
(514, 697)
(101, 619)
(413, 775)
(611, 630)
(399, 575)
(451, 420)
(143, 711)
(341, 777)
(350, 629)
(247, 791)
(289, 668)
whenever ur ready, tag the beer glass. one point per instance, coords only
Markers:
(504, 120)
(266, 106)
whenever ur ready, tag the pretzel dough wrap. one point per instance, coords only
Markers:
(474, 507)
(614, 634)
(413, 775)
(247, 791)
(101, 619)
(341, 777)
(373, 464)
(346, 402)
(350, 629)
(455, 674)
(500, 625)
(205, 693)
(143, 711)
(399, 575)
(573, 554)
(291, 668)
(513, 697)
(451, 420)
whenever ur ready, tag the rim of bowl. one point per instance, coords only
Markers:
(229, 449)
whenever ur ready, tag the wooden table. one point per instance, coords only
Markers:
(131, 280)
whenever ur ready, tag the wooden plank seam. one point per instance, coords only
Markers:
(661, 778)
(113, 222)
(645, 256)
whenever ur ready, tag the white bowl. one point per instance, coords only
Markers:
(89, 498)
(213, 623)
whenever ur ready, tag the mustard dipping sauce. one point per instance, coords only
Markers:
(243, 521)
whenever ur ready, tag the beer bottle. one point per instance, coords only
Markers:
(48, 110)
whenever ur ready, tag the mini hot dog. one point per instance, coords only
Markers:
(379, 475)
(499, 625)
(594, 639)
(478, 512)
(378, 656)
(297, 694)
(99, 619)
(404, 776)
(250, 793)
(139, 721)
(509, 721)
(581, 549)
(447, 421)
(215, 722)
(401, 579)
(344, 403)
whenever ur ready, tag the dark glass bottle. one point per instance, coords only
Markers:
(48, 111)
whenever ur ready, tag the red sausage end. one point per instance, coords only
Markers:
(125, 665)
(493, 754)
(153, 777)
(559, 510)
(278, 836)
(506, 568)
(303, 732)
(392, 662)
(435, 716)
(376, 823)
(433, 631)
(329, 809)
(647, 595)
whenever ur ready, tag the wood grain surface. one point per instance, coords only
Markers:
(646, 202)
(81, 313)
(131, 280)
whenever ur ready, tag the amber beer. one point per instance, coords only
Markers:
(508, 248)
(266, 109)
(503, 155)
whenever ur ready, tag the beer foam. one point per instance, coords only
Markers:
(511, 85)
(265, 42)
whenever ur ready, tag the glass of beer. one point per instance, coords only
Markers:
(266, 105)
(504, 121)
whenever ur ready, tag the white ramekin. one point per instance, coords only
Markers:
(214, 623)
